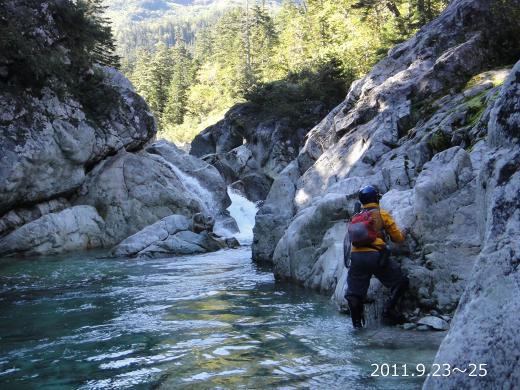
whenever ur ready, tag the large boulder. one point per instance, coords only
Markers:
(158, 231)
(73, 229)
(173, 235)
(301, 245)
(128, 191)
(132, 191)
(446, 225)
(19, 217)
(47, 144)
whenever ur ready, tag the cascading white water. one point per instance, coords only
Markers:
(241, 209)
(193, 185)
(244, 212)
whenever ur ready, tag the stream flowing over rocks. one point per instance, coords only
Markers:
(435, 125)
(69, 183)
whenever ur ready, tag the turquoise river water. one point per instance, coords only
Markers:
(197, 322)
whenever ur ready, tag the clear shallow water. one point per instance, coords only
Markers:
(205, 321)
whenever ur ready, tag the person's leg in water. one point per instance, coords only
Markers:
(392, 277)
(358, 280)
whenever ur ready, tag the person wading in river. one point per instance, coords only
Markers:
(370, 256)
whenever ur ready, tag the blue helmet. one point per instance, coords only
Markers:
(369, 194)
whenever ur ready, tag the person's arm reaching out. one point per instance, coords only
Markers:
(396, 235)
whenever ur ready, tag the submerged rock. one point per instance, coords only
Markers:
(434, 323)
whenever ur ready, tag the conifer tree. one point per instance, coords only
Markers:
(103, 49)
(141, 76)
(160, 77)
(182, 76)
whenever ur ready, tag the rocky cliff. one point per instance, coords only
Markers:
(70, 184)
(256, 140)
(435, 126)
(70, 180)
(485, 327)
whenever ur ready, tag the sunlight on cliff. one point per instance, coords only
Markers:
(356, 152)
(331, 171)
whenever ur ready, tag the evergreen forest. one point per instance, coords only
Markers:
(284, 58)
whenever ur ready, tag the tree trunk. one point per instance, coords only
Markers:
(393, 9)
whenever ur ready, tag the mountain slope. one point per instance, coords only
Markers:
(140, 10)
(142, 24)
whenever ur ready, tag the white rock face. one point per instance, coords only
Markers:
(129, 192)
(435, 323)
(485, 327)
(300, 247)
(384, 132)
(46, 149)
(73, 229)
(132, 191)
(158, 231)
(54, 158)
(447, 157)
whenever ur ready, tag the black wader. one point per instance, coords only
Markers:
(362, 266)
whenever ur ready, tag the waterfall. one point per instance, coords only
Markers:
(194, 186)
(244, 212)
(241, 209)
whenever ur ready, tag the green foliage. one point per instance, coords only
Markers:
(284, 63)
(177, 94)
(408, 15)
(56, 45)
(95, 32)
(439, 141)
(163, 79)
(476, 107)
(506, 14)
(496, 76)
(299, 95)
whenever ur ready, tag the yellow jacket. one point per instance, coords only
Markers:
(385, 222)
